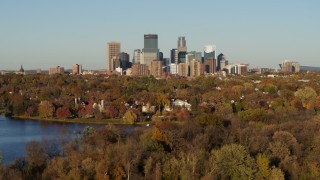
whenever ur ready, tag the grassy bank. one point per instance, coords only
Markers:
(78, 120)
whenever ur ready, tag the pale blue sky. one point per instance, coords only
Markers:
(45, 33)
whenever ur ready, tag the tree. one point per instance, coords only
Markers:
(46, 109)
(129, 117)
(263, 166)
(305, 95)
(232, 161)
(210, 119)
(63, 112)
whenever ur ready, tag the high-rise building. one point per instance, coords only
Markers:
(113, 50)
(139, 70)
(240, 69)
(150, 50)
(174, 56)
(166, 61)
(173, 68)
(290, 66)
(182, 57)
(183, 69)
(77, 69)
(56, 70)
(115, 63)
(136, 56)
(161, 56)
(209, 66)
(209, 52)
(195, 67)
(124, 60)
(156, 68)
(221, 60)
(182, 45)
(193, 55)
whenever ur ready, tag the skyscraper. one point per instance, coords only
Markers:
(124, 60)
(221, 62)
(136, 56)
(290, 66)
(113, 50)
(195, 67)
(209, 66)
(174, 55)
(209, 52)
(156, 68)
(150, 50)
(182, 45)
(77, 69)
(193, 55)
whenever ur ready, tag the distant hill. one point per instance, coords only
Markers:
(309, 68)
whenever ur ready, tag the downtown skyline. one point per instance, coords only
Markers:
(46, 34)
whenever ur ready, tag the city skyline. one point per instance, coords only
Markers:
(48, 34)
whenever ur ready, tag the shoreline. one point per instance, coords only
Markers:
(79, 121)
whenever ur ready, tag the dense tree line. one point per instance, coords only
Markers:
(238, 127)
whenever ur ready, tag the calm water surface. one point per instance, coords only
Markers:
(16, 133)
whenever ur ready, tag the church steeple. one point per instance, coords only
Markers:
(21, 70)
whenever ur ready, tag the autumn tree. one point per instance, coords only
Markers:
(129, 117)
(305, 95)
(63, 112)
(46, 109)
(232, 161)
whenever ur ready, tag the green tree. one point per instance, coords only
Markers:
(46, 109)
(305, 95)
(232, 161)
(129, 117)
(263, 166)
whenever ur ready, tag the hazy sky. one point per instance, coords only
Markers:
(45, 33)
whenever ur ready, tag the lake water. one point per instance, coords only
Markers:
(16, 133)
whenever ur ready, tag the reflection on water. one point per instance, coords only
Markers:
(15, 133)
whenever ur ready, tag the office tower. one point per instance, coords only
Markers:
(240, 69)
(56, 70)
(183, 69)
(174, 56)
(166, 61)
(209, 66)
(290, 66)
(136, 56)
(209, 52)
(76, 69)
(182, 45)
(113, 50)
(156, 68)
(195, 67)
(173, 68)
(115, 63)
(221, 62)
(161, 56)
(220, 58)
(124, 60)
(150, 50)
(182, 57)
(193, 55)
(139, 70)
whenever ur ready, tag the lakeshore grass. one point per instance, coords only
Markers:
(78, 120)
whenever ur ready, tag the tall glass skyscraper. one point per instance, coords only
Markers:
(209, 52)
(221, 59)
(150, 43)
(150, 51)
